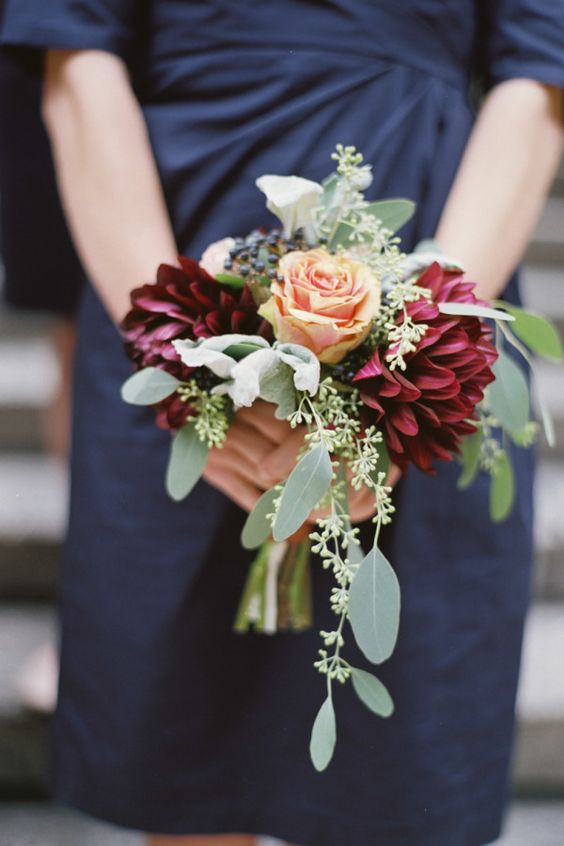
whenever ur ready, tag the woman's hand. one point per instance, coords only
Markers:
(261, 451)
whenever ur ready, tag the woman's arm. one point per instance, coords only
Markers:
(106, 173)
(115, 209)
(504, 177)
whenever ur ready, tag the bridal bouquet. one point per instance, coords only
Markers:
(377, 355)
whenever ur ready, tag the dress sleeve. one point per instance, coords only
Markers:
(109, 25)
(524, 38)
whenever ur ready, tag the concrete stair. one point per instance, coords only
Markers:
(35, 824)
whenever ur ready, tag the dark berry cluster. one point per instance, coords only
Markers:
(257, 255)
(346, 370)
(205, 379)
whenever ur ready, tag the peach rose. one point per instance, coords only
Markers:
(214, 256)
(324, 302)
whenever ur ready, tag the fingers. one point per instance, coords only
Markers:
(261, 417)
(394, 475)
(281, 460)
(226, 479)
(248, 442)
(230, 462)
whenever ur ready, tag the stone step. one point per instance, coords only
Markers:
(41, 824)
(539, 760)
(33, 497)
(539, 765)
(18, 324)
(547, 245)
(549, 531)
(23, 735)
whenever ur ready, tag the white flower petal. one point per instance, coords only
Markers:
(246, 375)
(304, 363)
(291, 198)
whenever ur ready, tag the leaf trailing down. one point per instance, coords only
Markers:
(187, 459)
(502, 489)
(473, 310)
(257, 528)
(374, 607)
(149, 386)
(372, 692)
(470, 459)
(306, 485)
(538, 333)
(323, 736)
(508, 396)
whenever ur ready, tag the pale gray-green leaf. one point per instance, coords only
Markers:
(306, 485)
(257, 528)
(470, 459)
(546, 416)
(372, 692)
(149, 386)
(187, 459)
(392, 213)
(277, 387)
(473, 310)
(502, 490)
(323, 736)
(538, 333)
(508, 395)
(374, 607)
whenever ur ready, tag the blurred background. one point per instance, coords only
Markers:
(33, 494)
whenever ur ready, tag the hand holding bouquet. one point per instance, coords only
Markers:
(375, 355)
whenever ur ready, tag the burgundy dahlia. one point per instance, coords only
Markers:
(185, 302)
(424, 409)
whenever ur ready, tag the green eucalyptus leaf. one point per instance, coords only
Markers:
(148, 386)
(257, 528)
(306, 485)
(187, 459)
(546, 417)
(239, 351)
(474, 310)
(393, 214)
(508, 395)
(374, 607)
(230, 279)
(538, 333)
(330, 185)
(372, 692)
(470, 459)
(502, 489)
(323, 736)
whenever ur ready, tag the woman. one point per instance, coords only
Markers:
(161, 115)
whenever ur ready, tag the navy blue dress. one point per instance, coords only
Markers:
(49, 276)
(167, 720)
